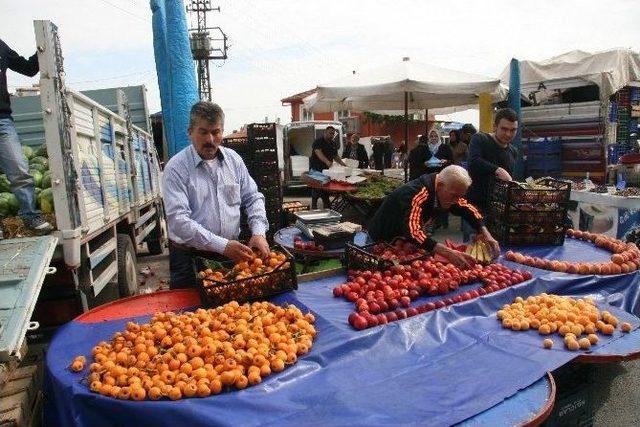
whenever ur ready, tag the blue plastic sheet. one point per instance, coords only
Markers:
(176, 73)
(437, 368)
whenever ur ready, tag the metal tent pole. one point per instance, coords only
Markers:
(406, 135)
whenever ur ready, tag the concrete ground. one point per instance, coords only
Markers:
(616, 388)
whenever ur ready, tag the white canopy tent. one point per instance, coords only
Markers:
(405, 86)
(610, 70)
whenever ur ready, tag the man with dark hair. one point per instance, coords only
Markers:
(466, 132)
(12, 160)
(325, 152)
(491, 157)
(205, 185)
(356, 151)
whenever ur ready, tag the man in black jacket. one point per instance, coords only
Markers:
(12, 161)
(491, 157)
(356, 151)
(325, 152)
(410, 208)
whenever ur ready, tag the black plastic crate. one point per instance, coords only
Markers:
(363, 258)
(267, 179)
(535, 235)
(261, 131)
(518, 216)
(216, 292)
(240, 145)
(511, 193)
(265, 167)
(265, 156)
(575, 397)
(535, 217)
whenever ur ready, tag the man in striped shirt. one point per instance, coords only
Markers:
(205, 185)
(408, 210)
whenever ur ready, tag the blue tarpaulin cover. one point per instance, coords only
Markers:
(437, 368)
(176, 73)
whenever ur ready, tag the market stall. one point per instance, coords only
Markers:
(405, 86)
(583, 112)
(609, 212)
(442, 366)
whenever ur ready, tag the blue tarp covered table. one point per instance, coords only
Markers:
(438, 368)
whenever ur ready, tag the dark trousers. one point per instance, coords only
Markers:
(181, 265)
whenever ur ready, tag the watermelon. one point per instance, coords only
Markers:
(39, 160)
(4, 184)
(14, 205)
(9, 205)
(46, 200)
(40, 151)
(27, 151)
(37, 177)
(46, 180)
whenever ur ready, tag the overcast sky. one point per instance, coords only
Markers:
(279, 48)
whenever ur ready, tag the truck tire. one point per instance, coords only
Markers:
(154, 241)
(127, 267)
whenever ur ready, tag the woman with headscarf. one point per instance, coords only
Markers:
(441, 154)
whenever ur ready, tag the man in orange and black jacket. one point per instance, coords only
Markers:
(416, 204)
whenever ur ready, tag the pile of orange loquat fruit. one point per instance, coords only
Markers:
(577, 320)
(198, 354)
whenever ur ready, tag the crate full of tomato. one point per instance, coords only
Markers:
(257, 279)
(381, 256)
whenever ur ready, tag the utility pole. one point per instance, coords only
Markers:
(207, 43)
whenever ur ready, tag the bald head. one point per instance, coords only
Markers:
(455, 174)
(452, 183)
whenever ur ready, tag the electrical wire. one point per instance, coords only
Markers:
(126, 11)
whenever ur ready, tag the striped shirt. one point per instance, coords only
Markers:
(203, 199)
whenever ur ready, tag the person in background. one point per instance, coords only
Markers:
(382, 153)
(12, 160)
(346, 150)
(459, 148)
(377, 148)
(388, 152)
(356, 151)
(325, 152)
(491, 157)
(438, 150)
(410, 208)
(466, 133)
(205, 186)
(399, 155)
(418, 158)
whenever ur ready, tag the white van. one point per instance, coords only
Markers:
(297, 147)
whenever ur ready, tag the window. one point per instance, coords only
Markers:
(305, 115)
(342, 114)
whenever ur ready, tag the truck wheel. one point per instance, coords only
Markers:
(127, 267)
(154, 241)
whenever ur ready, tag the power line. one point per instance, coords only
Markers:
(125, 11)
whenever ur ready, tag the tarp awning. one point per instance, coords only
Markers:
(610, 70)
(382, 89)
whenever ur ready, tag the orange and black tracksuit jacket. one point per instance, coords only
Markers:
(410, 207)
